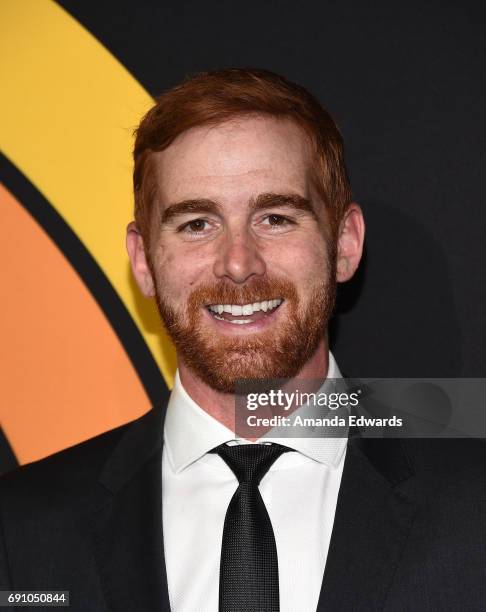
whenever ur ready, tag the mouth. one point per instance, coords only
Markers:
(245, 314)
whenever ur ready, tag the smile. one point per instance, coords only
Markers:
(243, 314)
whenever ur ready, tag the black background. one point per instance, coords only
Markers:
(406, 83)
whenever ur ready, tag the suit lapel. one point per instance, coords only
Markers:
(127, 523)
(373, 519)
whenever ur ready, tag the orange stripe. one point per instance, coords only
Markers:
(65, 377)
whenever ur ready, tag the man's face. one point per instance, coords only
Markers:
(242, 265)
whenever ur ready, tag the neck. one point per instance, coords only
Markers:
(221, 406)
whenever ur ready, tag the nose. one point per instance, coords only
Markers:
(238, 258)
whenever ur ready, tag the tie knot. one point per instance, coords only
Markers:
(250, 462)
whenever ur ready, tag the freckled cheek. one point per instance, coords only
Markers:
(179, 274)
(299, 261)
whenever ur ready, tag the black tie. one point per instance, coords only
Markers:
(248, 575)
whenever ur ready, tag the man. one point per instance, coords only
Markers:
(243, 225)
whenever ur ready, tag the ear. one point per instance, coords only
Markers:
(138, 260)
(350, 242)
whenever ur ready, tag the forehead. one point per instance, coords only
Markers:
(238, 158)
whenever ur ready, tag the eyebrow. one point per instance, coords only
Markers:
(198, 205)
(264, 200)
(292, 200)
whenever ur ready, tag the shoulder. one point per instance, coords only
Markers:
(450, 465)
(449, 475)
(447, 457)
(58, 477)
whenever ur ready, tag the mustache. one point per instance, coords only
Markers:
(255, 291)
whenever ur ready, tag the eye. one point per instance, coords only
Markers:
(278, 221)
(196, 226)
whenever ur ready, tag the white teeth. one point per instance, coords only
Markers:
(237, 321)
(246, 309)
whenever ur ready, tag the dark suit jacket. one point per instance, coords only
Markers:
(409, 532)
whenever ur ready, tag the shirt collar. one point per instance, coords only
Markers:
(190, 432)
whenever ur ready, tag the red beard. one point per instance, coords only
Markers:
(279, 352)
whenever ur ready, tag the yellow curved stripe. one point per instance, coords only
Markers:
(67, 113)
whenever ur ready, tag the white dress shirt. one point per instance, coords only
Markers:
(300, 493)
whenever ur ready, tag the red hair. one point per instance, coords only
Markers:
(214, 97)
